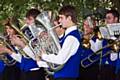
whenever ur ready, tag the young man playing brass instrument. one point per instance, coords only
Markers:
(29, 67)
(69, 54)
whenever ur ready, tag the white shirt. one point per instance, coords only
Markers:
(95, 46)
(29, 52)
(69, 48)
(16, 56)
(114, 56)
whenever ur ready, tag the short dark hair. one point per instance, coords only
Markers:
(33, 13)
(114, 12)
(69, 10)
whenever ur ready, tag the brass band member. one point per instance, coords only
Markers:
(30, 70)
(89, 47)
(111, 65)
(2, 67)
(69, 54)
(11, 72)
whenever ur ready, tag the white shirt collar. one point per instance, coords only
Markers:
(68, 30)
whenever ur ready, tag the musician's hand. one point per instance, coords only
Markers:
(37, 57)
(15, 40)
(4, 49)
(42, 51)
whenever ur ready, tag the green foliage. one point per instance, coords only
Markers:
(18, 8)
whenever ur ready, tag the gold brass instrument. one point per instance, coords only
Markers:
(89, 23)
(85, 41)
(14, 25)
(108, 32)
(4, 42)
(94, 57)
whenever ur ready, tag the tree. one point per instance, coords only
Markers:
(18, 8)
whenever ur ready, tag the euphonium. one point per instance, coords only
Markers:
(47, 39)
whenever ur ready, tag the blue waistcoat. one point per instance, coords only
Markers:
(71, 67)
(27, 64)
(2, 66)
(103, 52)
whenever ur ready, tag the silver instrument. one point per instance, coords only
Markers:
(46, 40)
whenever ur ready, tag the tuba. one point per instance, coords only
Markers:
(46, 40)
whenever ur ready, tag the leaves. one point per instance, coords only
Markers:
(19, 8)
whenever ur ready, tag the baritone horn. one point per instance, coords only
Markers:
(15, 25)
(47, 40)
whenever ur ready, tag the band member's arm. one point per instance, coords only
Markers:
(20, 43)
(69, 48)
(42, 64)
(15, 56)
(29, 52)
(39, 61)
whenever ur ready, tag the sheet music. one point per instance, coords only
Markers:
(104, 32)
(114, 29)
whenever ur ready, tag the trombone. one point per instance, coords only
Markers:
(94, 57)
(107, 32)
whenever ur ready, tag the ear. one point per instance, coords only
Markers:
(116, 19)
(69, 17)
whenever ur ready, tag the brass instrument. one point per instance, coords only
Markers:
(94, 57)
(19, 34)
(85, 41)
(108, 32)
(47, 39)
(4, 42)
(87, 36)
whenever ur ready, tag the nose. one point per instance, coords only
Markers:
(26, 21)
(59, 20)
